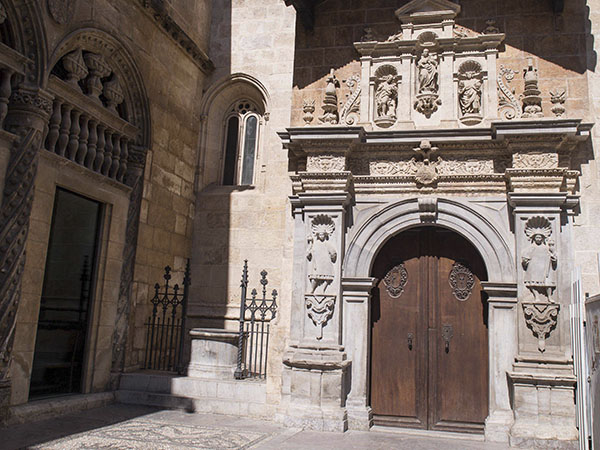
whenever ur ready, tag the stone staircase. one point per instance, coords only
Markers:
(201, 395)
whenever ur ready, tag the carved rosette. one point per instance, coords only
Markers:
(320, 308)
(395, 281)
(541, 319)
(462, 281)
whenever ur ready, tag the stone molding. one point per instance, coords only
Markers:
(163, 17)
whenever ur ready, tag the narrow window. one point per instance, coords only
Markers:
(231, 151)
(250, 133)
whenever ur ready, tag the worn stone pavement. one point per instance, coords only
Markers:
(119, 426)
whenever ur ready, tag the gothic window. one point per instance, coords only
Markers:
(241, 144)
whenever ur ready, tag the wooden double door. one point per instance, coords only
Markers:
(429, 341)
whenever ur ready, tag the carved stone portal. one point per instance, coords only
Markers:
(395, 281)
(461, 281)
(320, 309)
(541, 319)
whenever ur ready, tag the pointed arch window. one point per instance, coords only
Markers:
(241, 144)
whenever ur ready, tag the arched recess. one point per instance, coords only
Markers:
(455, 215)
(121, 62)
(25, 33)
(215, 106)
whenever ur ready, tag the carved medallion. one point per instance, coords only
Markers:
(62, 11)
(395, 281)
(461, 281)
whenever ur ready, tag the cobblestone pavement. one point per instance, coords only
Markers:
(137, 427)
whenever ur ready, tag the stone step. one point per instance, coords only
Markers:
(203, 395)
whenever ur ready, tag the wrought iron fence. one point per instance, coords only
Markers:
(166, 326)
(256, 315)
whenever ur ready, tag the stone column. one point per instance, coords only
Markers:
(502, 319)
(28, 115)
(541, 378)
(315, 363)
(356, 293)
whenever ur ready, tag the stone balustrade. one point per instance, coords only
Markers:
(87, 133)
(12, 64)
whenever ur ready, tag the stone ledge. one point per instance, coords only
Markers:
(57, 406)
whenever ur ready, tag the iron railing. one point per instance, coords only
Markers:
(166, 326)
(256, 315)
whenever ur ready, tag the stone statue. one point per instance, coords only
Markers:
(385, 96)
(321, 254)
(539, 260)
(469, 93)
(428, 72)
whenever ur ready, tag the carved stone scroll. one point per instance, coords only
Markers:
(541, 319)
(395, 280)
(508, 105)
(349, 113)
(462, 281)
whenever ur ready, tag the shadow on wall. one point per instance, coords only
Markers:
(531, 27)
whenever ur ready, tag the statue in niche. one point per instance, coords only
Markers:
(386, 95)
(469, 93)
(427, 66)
(539, 261)
(321, 253)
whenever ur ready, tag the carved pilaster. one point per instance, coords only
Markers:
(136, 160)
(29, 112)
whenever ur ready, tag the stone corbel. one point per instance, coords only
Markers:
(428, 209)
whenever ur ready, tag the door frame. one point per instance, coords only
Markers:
(495, 245)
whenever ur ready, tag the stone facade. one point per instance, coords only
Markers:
(372, 117)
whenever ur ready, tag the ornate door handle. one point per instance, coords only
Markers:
(410, 338)
(447, 333)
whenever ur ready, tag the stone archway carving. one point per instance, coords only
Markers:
(371, 232)
(455, 215)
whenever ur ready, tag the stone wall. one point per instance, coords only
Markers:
(237, 223)
(173, 82)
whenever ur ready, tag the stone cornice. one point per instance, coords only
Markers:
(515, 131)
(160, 13)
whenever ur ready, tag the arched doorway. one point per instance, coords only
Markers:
(429, 339)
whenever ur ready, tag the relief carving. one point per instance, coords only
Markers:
(308, 108)
(428, 87)
(320, 309)
(321, 254)
(535, 160)
(350, 111)
(427, 173)
(386, 96)
(541, 319)
(461, 280)
(330, 102)
(325, 163)
(532, 100)
(395, 280)
(539, 261)
(508, 105)
(468, 167)
(558, 98)
(393, 168)
(470, 87)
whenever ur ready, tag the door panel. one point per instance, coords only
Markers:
(429, 386)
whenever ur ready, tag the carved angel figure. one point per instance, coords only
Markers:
(321, 254)
(539, 260)
(385, 96)
(428, 72)
(469, 93)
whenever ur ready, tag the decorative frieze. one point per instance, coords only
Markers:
(535, 160)
(325, 163)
